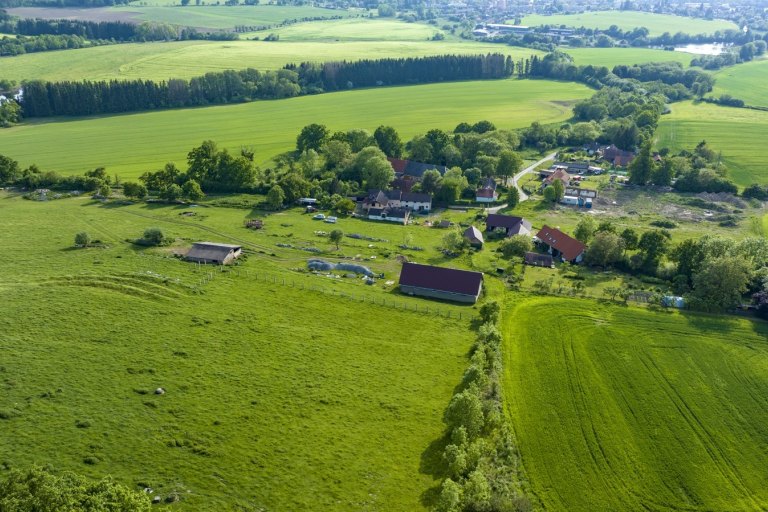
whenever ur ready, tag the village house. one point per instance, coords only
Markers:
(441, 283)
(213, 253)
(474, 237)
(560, 245)
(509, 224)
(617, 157)
(397, 199)
(487, 192)
(390, 214)
(559, 175)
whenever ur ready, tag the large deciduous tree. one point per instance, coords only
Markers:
(720, 283)
(312, 136)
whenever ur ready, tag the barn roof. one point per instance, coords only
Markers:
(537, 259)
(443, 279)
(415, 169)
(473, 235)
(211, 250)
(569, 247)
(508, 222)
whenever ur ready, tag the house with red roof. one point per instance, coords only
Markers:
(560, 245)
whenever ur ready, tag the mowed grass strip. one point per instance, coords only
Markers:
(611, 57)
(277, 397)
(738, 133)
(132, 144)
(656, 24)
(745, 82)
(625, 409)
(187, 59)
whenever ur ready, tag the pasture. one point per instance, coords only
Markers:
(187, 59)
(626, 409)
(134, 143)
(738, 133)
(656, 24)
(354, 30)
(611, 57)
(277, 397)
(745, 82)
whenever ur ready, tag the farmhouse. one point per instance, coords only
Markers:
(536, 259)
(413, 170)
(391, 214)
(474, 237)
(560, 174)
(617, 157)
(397, 199)
(487, 192)
(558, 244)
(441, 283)
(511, 225)
(210, 252)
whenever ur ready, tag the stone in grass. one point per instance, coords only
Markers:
(160, 391)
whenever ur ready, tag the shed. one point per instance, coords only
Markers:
(441, 283)
(474, 237)
(511, 225)
(211, 252)
(536, 259)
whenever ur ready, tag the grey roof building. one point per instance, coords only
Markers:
(214, 253)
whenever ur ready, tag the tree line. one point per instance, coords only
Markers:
(44, 99)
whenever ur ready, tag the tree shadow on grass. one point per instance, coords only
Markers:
(706, 322)
(433, 464)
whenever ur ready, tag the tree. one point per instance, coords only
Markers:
(200, 162)
(336, 236)
(153, 236)
(275, 197)
(172, 192)
(454, 243)
(312, 136)
(105, 190)
(641, 168)
(720, 283)
(490, 311)
(192, 191)
(134, 190)
(605, 249)
(430, 181)
(559, 190)
(689, 256)
(550, 194)
(450, 497)
(517, 245)
(509, 163)
(630, 239)
(585, 229)
(477, 491)
(378, 173)
(466, 410)
(663, 174)
(513, 197)
(82, 239)
(344, 206)
(294, 186)
(653, 245)
(9, 170)
(38, 490)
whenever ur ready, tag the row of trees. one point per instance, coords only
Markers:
(43, 99)
(20, 45)
(745, 53)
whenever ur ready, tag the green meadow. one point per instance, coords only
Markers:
(745, 82)
(132, 144)
(656, 24)
(354, 30)
(278, 396)
(611, 57)
(625, 409)
(187, 59)
(736, 132)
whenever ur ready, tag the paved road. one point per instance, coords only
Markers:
(530, 168)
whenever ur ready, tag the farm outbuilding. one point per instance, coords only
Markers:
(474, 237)
(441, 283)
(214, 253)
(536, 259)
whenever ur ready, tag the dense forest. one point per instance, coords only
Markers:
(42, 99)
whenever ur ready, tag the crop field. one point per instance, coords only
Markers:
(745, 82)
(738, 133)
(132, 144)
(278, 397)
(187, 59)
(656, 24)
(625, 409)
(204, 16)
(611, 57)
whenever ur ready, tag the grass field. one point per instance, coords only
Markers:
(625, 56)
(656, 24)
(737, 133)
(624, 409)
(132, 144)
(745, 82)
(205, 16)
(186, 59)
(354, 30)
(278, 398)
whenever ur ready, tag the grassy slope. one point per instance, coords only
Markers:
(745, 81)
(186, 59)
(277, 398)
(132, 144)
(656, 24)
(627, 56)
(646, 411)
(738, 133)
(355, 30)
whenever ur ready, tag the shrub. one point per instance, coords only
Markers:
(82, 239)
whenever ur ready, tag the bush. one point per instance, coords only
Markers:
(153, 236)
(82, 239)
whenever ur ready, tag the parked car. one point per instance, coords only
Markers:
(319, 216)
(331, 220)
